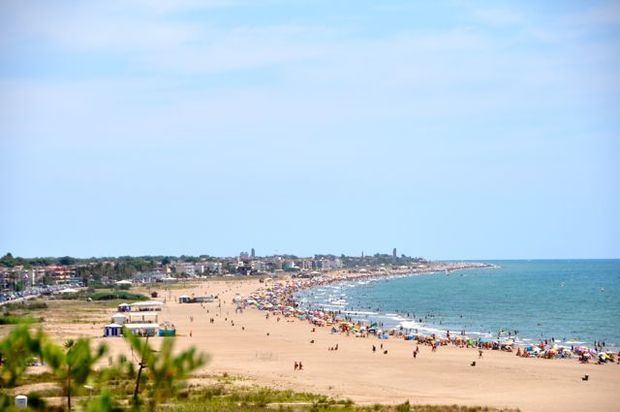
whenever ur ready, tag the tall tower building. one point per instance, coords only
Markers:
(253, 253)
(394, 253)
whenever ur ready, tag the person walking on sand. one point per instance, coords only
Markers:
(374, 348)
(480, 354)
(296, 365)
(300, 366)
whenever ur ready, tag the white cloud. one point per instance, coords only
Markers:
(323, 77)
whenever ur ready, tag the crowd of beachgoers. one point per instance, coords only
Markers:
(277, 298)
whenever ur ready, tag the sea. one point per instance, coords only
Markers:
(575, 302)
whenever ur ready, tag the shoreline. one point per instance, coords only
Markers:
(324, 315)
(261, 352)
(445, 376)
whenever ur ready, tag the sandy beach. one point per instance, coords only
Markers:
(265, 350)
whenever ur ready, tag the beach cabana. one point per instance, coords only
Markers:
(112, 330)
(185, 299)
(142, 329)
(124, 307)
(167, 332)
(151, 305)
(167, 329)
(119, 318)
(143, 317)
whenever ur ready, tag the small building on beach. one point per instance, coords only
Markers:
(119, 318)
(143, 317)
(151, 305)
(142, 329)
(196, 299)
(167, 329)
(113, 330)
(124, 307)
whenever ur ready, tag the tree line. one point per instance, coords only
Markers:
(10, 261)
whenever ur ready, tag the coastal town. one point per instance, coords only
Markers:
(21, 277)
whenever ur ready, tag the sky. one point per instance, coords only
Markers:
(447, 129)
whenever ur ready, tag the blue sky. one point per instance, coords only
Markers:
(447, 129)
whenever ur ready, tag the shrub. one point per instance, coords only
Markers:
(116, 295)
(34, 305)
(14, 320)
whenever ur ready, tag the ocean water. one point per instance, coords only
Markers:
(574, 301)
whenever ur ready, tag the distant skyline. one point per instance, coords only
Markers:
(447, 129)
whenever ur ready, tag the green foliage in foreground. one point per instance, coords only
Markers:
(165, 370)
(72, 367)
(73, 364)
(16, 352)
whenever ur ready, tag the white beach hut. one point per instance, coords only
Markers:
(185, 299)
(119, 318)
(143, 317)
(146, 306)
(142, 329)
(113, 330)
(124, 307)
